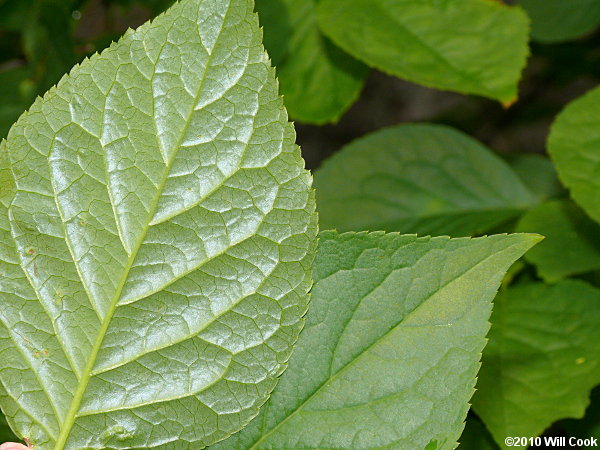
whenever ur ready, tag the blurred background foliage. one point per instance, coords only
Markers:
(335, 99)
(40, 40)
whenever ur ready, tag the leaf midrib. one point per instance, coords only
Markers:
(83, 383)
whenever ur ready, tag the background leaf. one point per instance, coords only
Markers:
(425, 179)
(318, 80)
(589, 426)
(6, 435)
(537, 173)
(157, 240)
(541, 360)
(560, 20)
(572, 240)
(573, 146)
(475, 436)
(16, 94)
(391, 347)
(459, 45)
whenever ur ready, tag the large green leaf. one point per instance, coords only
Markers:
(572, 244)
(470, 46)
(574, 145)
(318, 80)
(541, 360)
(425, 179)
(391, 347)
(561, 20)
(157, 240)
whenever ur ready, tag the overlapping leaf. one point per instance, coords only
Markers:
(470, 46)
(318, 80)
(537, 173)
(425, 179)
(572, 244)
(541, 360)
(560, 20)
(391, 347)
(156, 238)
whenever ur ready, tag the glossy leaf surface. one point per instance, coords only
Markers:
(157, 230)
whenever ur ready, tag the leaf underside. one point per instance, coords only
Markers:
(157, 231)
(391, 347)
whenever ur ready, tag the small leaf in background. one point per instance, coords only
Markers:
(391, 346)
(572, 244)
(561, 20)
(537, 173)
(475, 436)
(589, 426)
(319, 81)
(457, 45)
(48, 48)
(425, 179)
(541, 361)
(16, 95)
(157, 232)
(6, 435)
(574, 145)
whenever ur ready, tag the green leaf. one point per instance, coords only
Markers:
(318, 80)
(572, 244)
(16, 94)
(560, 20)
(537, 173)
(425, 179)
(589, 426)
(5, 432)
(157, 241)
(541, 360)
(391, 347)
(573, 146)
(469, 46)
(45, 28)
(475, 436)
